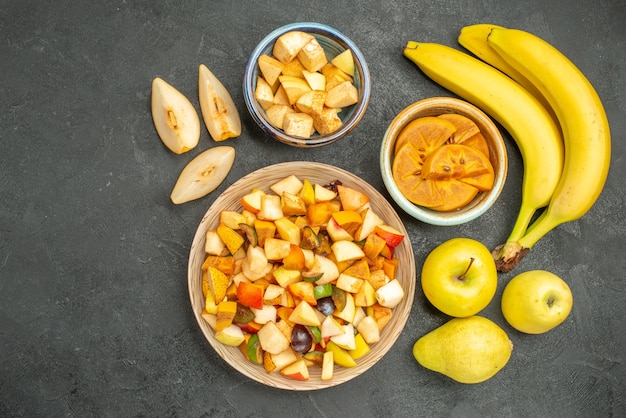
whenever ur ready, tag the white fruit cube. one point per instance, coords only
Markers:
(346, 251)
(213, 244)
(368, 328)
(345, 340)
(390, 295)
(328, 366)
(272, 339)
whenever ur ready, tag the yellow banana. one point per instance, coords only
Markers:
(585, 129)
(474, 39)
(535, 132)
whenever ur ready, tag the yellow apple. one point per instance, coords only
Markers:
(459, 277)
(536, 301)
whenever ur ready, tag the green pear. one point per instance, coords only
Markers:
(468, 350)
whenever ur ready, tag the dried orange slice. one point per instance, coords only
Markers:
(406, 171)
(425, 134)
(465, 127)
(455, 194)
(455, 161)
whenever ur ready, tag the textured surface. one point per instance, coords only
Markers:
(95, 317)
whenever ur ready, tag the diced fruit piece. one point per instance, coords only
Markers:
(273, 294)
(390, 266)
(250, 294)
(276, 114)
(374, 244)
(339, 298)
(319, 213)
(345, 62)
(231, 238)
(294, 87)
(366, 296)
(359, 269)
(270, 68)
(218, 283)
(271, 208)
(276, 362)
(392, 236)
(288, 45)
(290, 184)
(370, 221)
(322, 291)
(362, 348)
(287, 230)
(256, 262)
(267, 313)
(254, 350)
(232, 219)
(213, 244)
(298, 124)
(325, 306)
(264, 229)
(340, 356)
(368, 328)
(285, 277)
(292, 204)
(349, 220)
(342, 95)
(331, 327)
(328, 366)
(351, 199)
(307, 193)
(252, 200)
(295, 259)
(272, 339)
(225, 314)
(315, 357)
(263, 93)
(312, 56)
(391, 294)
(218, 109)
(304, 314)
(203, 174)
(210, 305)
(280, 97)
(323, 194)
(349, 310)
(336, 232)
(327, 267)
(231, 335)
(316, 80)
(175, 119)
(334, 75)
(302, 290)
(276, 248)
(297, 370)
(346, 250)
(345, 340)
(294, 68)
(250, 234)
(243, 314)
(349, 283)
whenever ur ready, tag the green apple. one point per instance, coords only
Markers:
(459, 277)
(536, 301)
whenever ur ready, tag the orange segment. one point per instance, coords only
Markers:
(406, 171)
(455, 161)
(455, 194)
(465, 127)
(425, 134)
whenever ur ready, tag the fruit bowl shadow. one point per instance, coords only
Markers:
(498, 156)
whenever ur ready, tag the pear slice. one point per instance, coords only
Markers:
(203, 174)
(175, 119)
(218, 109)
(345, 62)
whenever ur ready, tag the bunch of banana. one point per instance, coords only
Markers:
(584, 124)
(557, 88)
(535, 132)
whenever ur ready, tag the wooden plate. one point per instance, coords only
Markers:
(316, 173)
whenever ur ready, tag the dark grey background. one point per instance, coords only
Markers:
(95, 318)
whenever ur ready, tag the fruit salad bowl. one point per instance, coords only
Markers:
(406, 170)
(330, 43)
(404, 275)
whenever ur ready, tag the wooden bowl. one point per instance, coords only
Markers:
(435, 106)
(316, 173)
